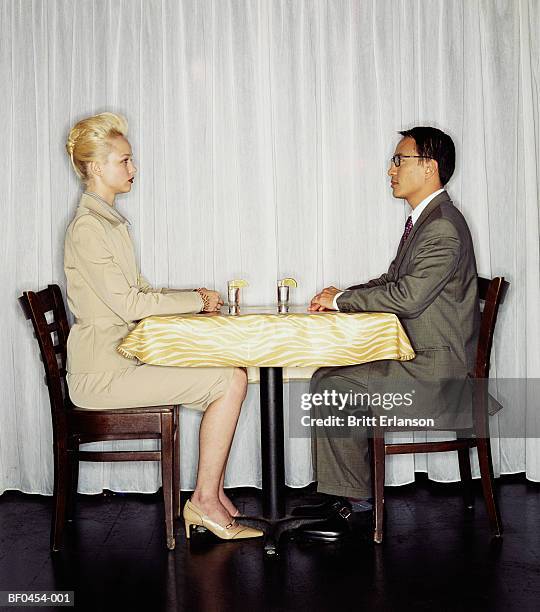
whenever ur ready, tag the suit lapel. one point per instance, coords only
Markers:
(404, 247)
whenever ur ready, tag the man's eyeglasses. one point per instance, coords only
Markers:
(396, 159)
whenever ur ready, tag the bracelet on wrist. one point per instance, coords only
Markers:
(204, 298)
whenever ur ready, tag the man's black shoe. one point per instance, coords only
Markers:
(340, 525)
(324, 510)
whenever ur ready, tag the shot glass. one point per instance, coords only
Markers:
(283, 298)
(233, 299)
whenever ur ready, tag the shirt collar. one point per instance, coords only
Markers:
(415, 214)
(97, 204)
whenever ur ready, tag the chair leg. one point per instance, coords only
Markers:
(73, 456)
(176, 469)
(486, 472)
(167, 450)
(466, 477)
(378, 484)
(62, 479)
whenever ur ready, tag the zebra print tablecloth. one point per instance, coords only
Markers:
(299, 340)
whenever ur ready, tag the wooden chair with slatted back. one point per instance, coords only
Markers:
(73, 426)
(492, 293)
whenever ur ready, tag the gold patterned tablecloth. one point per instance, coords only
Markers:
(300, 340)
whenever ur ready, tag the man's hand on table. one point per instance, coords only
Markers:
(324, 300)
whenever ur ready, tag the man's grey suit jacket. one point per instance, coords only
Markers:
(432, 287)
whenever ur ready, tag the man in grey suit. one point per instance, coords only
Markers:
(431, 285)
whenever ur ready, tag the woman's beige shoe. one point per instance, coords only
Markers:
(233, 531)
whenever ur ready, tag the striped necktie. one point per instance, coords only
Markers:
(407, 230)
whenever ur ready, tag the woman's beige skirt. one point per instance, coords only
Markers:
(149, 385)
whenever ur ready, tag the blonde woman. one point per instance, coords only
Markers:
(107, 294)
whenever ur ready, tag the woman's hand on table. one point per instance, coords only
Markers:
(324, 300)
(212, 300)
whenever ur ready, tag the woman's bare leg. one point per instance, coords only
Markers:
(215, 438)
(224, 499)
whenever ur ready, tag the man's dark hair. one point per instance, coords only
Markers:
(432, 143)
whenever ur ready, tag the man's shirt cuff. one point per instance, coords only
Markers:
(334, 303)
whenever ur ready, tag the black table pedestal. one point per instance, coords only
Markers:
(272, 443)
(273, 463)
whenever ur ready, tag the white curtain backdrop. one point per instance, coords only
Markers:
(262, 131)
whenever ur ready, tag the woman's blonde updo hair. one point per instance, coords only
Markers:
(89, 140)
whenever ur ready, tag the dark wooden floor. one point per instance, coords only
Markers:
(435, 557)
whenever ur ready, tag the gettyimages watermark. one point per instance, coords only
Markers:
(512, 407)
(363, 400)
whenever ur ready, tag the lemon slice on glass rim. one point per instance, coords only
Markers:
(287, 282)
(238, 282)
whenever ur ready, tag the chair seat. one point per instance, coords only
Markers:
(138, 410)
(95, 425)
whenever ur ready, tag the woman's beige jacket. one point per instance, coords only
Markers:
(105, 290)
